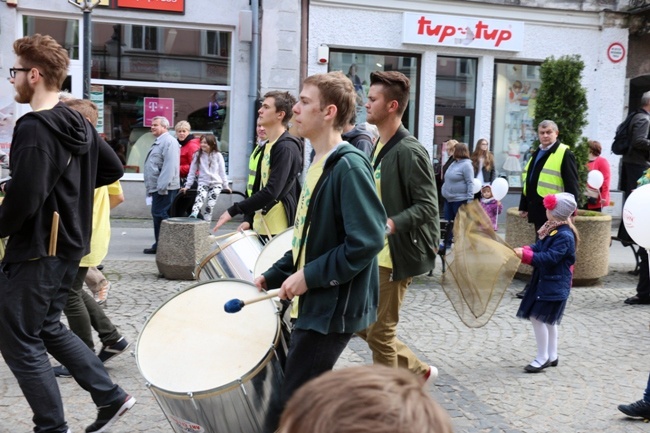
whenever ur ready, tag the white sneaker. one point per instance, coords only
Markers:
(430, 376)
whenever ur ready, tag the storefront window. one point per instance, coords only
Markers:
(515, 95)
(146, 53)
(358, 66)
(122, 116)
(65, 32)
(455, 101)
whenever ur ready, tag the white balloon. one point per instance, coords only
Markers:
(476, 187)
(636, 214)
(499, 188)
(595, 179)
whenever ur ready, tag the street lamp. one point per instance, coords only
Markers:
(87, 7)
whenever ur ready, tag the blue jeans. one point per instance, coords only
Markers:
(32, 296)
(451, 209)
(310, 355)
(160, 205)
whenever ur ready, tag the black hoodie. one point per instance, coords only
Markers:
(57, 160)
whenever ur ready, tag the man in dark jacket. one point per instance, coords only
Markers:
(338, 232)
(358, 136)
(635, 162)
(277, 184)
(57, 160)
(551, 169)
(406, 184)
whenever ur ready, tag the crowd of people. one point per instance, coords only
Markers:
(366, 220)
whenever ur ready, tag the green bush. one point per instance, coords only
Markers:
(563, 99)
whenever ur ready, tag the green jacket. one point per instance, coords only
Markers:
(410, 197)
(345, 235)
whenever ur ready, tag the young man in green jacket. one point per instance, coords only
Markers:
(407, 188)
(338, 231)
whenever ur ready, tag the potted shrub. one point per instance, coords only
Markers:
(563, 99)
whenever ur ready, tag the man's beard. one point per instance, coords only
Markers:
(24, 93)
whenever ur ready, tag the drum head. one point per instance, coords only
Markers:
(190, 344)
(273, 251)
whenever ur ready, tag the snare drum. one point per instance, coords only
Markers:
(209, 370)
(273, 251)
(233, 257)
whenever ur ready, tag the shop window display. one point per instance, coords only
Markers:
(515, 98)
(358, 66)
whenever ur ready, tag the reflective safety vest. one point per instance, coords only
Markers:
(253, 162)
(550, 178)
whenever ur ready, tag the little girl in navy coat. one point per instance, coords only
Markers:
(552, 257)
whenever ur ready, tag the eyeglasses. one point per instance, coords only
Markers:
(12, 71)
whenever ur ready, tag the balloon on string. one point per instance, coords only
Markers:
(595, 179)
(476, 186)
(636, 214)
(499, 188)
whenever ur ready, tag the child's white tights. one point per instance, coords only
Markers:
(546, 338)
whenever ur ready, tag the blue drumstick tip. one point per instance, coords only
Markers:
(233, 306)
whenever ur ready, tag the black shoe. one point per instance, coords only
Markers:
(638, 409)
(521, 294)
(107, 415)
(530, 368)
(149, 251)
(100, 267)
(109, 352)
(637, 300)
(556, 362)
(61, 371)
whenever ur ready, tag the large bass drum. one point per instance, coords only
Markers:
(209, 370)
(273, 251)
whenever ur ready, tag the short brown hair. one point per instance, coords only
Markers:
(461, 151)
(397, 87)
(594, 147)
(283, 101)
(46, 55)
(87, 108)
(335, 89)
(366, 399)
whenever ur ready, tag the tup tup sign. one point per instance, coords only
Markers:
(454, 31)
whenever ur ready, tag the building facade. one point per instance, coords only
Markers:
(474, 65)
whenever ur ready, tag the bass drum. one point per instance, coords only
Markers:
(222, 368)
(273, 251)
(232, 256)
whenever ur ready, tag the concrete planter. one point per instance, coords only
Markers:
(592, 258)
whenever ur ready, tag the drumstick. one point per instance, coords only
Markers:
(54, 234)
(235, 305)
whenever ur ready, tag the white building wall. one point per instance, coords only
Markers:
(377, 26)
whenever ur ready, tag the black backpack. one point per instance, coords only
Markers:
(621, 142)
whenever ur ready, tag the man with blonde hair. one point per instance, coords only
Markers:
(366, 399)
(332, 265)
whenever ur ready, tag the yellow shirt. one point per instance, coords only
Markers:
(276, 217)
(384, 254)
(313, 174)
(101, 233)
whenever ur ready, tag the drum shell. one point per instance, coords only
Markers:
(234, 257)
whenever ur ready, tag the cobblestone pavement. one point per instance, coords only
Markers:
(603, 358)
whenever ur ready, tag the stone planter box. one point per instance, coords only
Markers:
(592, 257)
(181, 244)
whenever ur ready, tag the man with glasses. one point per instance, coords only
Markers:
(57, 160)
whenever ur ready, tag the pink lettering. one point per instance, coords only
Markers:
(424, 26)
(483, 32)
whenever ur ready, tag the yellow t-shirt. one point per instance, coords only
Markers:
(313, 174)
(384, 254)
(276, 217)
(101, 234)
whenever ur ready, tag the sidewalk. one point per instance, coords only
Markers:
(603, 353)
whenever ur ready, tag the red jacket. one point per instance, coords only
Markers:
(192, 144)
(602, 165)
